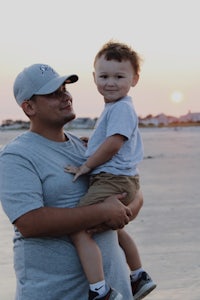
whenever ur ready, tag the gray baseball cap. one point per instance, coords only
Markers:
(38, 79)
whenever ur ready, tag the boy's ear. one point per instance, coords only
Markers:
(93, 73)
(135, 79)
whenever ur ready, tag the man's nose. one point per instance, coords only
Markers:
(66, 96)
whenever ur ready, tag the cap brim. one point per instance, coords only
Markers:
(71, 79)
(55, 83)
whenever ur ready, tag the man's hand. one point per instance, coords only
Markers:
(78, 171)
(118, 214)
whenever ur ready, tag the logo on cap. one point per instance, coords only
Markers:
(45, 68)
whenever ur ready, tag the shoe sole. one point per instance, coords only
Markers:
(115, 296)
(148, 288)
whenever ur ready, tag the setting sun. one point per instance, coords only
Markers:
(176, 97)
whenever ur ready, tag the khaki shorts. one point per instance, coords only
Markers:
(104, 185)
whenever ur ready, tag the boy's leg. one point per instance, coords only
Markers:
(141, 282)
(91, 260)
(130, 250)
(90, 256)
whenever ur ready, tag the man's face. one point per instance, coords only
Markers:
(54, 108)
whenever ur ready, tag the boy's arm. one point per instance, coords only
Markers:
(104, 153)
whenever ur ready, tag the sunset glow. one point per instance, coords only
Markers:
(58, 33)
(177, 97)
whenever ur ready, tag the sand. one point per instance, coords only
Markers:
(167, 230)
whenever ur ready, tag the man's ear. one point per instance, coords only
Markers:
(28, 107)
(135, 79)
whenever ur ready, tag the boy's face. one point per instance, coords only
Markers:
(114, 79)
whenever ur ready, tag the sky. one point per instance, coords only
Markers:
(67, 35)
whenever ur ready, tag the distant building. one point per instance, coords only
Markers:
(163, 120)
(82, 123)
(159, 120)
(18, 124)
(190, 117)
(89, 123)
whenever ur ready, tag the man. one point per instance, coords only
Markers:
(40, 199)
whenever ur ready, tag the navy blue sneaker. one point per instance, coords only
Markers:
(142, 286)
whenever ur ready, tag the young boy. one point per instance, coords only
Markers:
(113, 153)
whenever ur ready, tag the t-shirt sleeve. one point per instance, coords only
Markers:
(122, 120)
(20, 186)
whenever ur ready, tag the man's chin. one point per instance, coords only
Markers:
(70, 117)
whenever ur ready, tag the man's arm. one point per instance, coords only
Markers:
(52, 221)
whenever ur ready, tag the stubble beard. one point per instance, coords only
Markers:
(69, 117)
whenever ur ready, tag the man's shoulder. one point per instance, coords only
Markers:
(21, 144)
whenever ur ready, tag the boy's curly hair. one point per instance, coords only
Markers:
(119, 51)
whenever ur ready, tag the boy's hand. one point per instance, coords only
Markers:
(85, 140)
(78, 171)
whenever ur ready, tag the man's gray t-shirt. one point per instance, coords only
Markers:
(32, 176)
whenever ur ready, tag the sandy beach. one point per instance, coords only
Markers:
(167, 230)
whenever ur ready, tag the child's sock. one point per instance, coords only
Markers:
(98, 287)
(135, 274)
